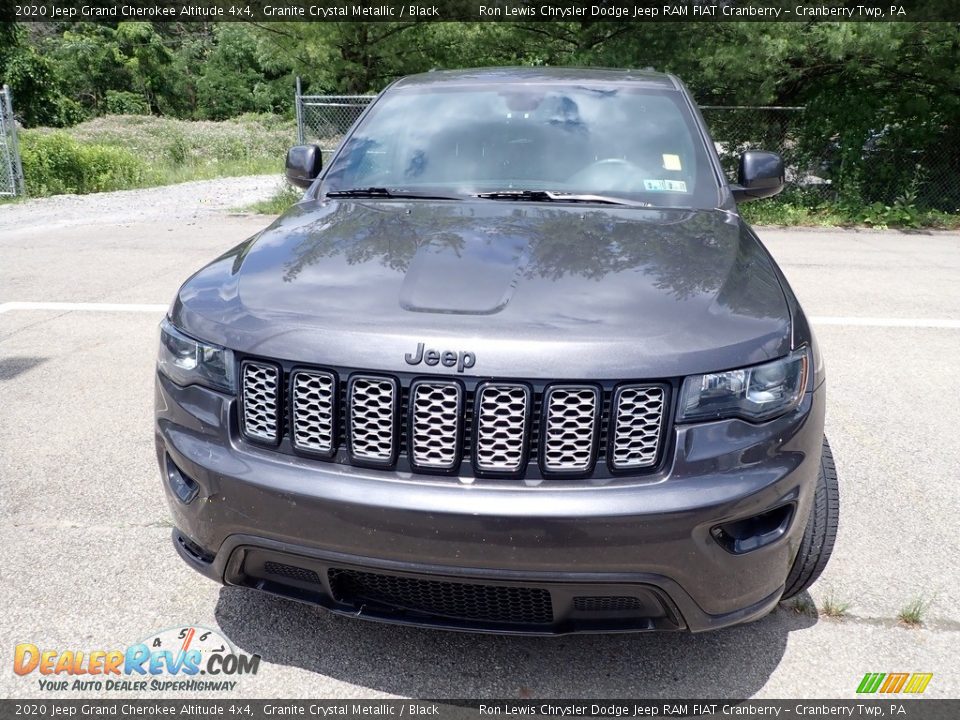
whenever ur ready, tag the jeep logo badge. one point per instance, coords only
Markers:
(448, 358)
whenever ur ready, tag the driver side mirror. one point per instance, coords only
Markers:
(761, 175)
(303, 164)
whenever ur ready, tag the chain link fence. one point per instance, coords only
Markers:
(886, 164)
(325, 119)
(880, 166)
(11, 173)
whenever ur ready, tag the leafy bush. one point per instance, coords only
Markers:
(803, 213)
(124, 151)
(55, 163)
(120, 102)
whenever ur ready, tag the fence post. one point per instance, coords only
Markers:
(13, 146)
(299, 110)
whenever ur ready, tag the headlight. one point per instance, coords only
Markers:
(189, 362)
(755, 393)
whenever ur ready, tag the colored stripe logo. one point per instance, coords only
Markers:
(890, 683)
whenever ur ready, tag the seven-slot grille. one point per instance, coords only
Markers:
(437, 424)
(261, 401)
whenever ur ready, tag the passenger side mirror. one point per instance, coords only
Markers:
(303, 164)
(761, 175)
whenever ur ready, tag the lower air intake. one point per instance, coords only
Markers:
(291, 571)
(491, 603)
(603, 603)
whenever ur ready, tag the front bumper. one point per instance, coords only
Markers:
(557, 558)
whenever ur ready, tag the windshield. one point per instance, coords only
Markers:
(638, 144)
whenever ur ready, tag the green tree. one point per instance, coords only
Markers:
(234, 79)
(36, 82)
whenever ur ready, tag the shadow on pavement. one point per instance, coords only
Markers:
(10, 367)
(731, 663)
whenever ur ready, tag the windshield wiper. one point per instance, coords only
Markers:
(382, 192)
(555, 196)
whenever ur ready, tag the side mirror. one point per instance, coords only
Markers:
(761, 175)
(303, 164)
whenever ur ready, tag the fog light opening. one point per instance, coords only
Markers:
(194, 550)
(751, 533)
(183, 486)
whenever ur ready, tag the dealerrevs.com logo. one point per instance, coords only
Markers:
(189, 659)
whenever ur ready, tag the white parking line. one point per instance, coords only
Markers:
(147, 308)
(90, 307)
(888, 322)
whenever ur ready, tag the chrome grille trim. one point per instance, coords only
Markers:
(502, 427)
(570, 428)
(313, 411)
(436, 424)
(637, 415)
(372, 419)
(260, 401)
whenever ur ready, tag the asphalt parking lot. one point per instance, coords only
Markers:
(86, 534)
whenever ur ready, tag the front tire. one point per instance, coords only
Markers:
(821, 531)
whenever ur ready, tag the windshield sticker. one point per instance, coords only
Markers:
(665, 186)
(671, 162)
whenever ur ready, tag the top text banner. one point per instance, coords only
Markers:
(479, 10)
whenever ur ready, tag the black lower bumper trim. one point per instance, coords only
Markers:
(453, 602)
(465, 599)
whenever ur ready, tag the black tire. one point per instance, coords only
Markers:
(821, 531)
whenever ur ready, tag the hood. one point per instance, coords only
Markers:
(530, 290)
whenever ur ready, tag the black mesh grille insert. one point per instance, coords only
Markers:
(606, 603)
(494, 603)
(291, 571)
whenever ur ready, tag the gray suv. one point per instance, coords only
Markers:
(513, 364)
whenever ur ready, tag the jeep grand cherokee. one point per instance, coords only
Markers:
(514, 363)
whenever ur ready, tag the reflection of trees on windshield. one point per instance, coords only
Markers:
(466, 139)
(685, 253)
(354, 162)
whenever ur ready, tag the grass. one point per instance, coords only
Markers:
(281, 201)
(825, 214)
(831, 607)
(912, 613)
(119, 152)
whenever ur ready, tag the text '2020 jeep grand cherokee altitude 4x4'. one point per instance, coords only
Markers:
(513, 364)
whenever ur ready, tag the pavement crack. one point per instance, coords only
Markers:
(68, 525)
